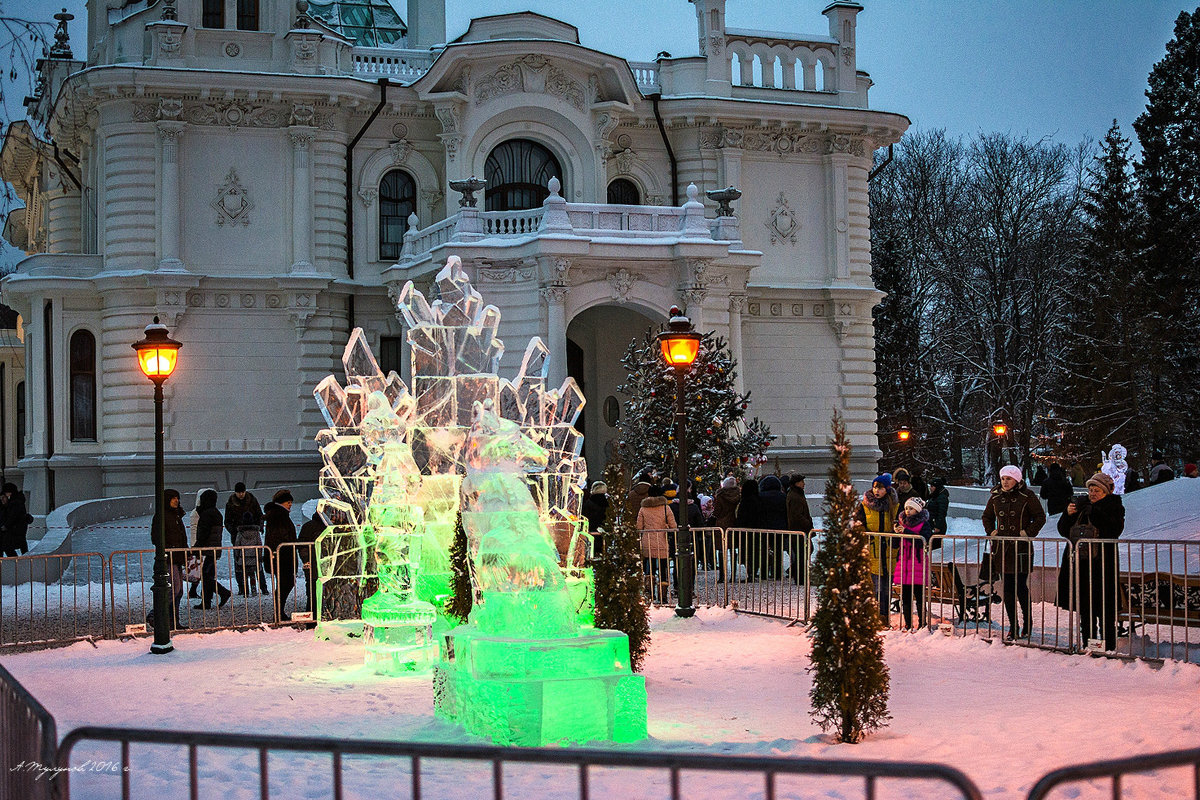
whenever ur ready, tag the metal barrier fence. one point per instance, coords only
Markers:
(442, 764)
(37, 611)
(28, 742)
(1118, 769)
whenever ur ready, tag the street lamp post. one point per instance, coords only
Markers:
(157, 354)
(680, 345)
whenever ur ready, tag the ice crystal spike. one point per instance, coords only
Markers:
(452, 282)
(510, 405)
(331, 400)
(535, 364)
(570, 402)
(413, 306)
(360, 363)
(433, 350)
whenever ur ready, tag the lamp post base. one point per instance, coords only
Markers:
(161, 649)
(681, 611)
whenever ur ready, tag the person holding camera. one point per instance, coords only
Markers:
(1092, 524)
(1014, 512)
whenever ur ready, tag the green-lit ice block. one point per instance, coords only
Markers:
(534, 692)
(399, 639)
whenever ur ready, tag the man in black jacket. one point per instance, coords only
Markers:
(799, 519)
(208, 535)
(14, 521)
(1057, 490)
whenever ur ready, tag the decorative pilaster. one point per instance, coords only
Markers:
(302, 197)
(737, 304)
(168, 211)
(555, 296)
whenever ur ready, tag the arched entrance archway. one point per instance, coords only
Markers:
(598, 337)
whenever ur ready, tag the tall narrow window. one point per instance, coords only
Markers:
(397, 199)
(213, 14)
(21, 419)
(391, 355)
(517, 172)
(83, 386)
(623, 192)
(247, 15)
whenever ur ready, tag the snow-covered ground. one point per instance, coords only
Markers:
(718, 683)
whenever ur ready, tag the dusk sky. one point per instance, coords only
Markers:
(1064, 69)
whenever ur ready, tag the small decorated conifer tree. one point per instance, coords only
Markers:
(850, 678)
(462, 597)
(618, 570)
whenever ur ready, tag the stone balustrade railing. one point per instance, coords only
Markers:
(404, 64)
(645, 73)
(594, 218)
(776, 61)
(511, 223)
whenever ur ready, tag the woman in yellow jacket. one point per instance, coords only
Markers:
(876, 514)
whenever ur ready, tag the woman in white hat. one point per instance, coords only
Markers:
(1014, 512)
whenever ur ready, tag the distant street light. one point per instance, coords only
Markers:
(680, 345)
(157, 355)
(904, 433)
(1000, 430)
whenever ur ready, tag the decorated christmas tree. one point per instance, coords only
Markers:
(618, 570)
(462, 596)
(721, 437)
(850, 678)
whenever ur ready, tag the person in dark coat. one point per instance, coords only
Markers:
(902, 483)
(281, 530)
(309, 533)
(773, 503)
(1097, 559)
(14, 521)
(799, 519)
(725, 505)
(1057, 490)
(938, 508)
(749, 517)
(1014, 511)
(176, 545)
(1159, 471)
(239, 504)
(1133, 481)
(595, 507)
(1039, 476)
(208, 538)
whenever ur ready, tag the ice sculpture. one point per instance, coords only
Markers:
(528, 668)
(1115, 466)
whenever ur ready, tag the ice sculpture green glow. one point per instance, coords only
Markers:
(528, 668)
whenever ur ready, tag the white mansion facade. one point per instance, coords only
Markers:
(265, 175)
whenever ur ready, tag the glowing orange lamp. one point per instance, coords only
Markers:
(680, 343)
(1000, 429)
(157, 353)
(904, 433)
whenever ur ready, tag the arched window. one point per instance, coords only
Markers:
(624, 192)
(83, 386)
(517, 172)
(20, 419)
(397, 199)
(213, 14)
(247, 15)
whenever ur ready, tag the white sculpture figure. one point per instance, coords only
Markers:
(1115, 466)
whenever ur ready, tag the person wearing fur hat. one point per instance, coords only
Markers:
(913, 524)
(1014, 512)
(876, 514)
(281, 530)
(1096, 558)
(725, 506)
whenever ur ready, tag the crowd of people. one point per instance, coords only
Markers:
(250, 526)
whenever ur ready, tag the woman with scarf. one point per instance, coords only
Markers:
(876, 516)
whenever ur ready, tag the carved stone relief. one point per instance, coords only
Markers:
(782, 226)
(621, 282)
(532, 73)
(232, 202)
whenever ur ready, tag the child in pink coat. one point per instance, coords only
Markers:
(910, 566)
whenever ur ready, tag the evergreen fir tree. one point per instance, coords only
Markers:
(1104, 374)
(462, 597)
(850, 678)
(1169, 180)
(720, 437)
(618, 570)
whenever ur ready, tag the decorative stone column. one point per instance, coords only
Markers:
(555, 296)
(737, 304)
(302, 197)
(168, 213)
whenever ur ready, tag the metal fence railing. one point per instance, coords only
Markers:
(37, 607)
(1184, 784)
(28, 742)
(427, 766)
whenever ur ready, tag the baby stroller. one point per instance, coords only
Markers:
(974, 603)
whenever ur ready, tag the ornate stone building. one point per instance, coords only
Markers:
(264, 175)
